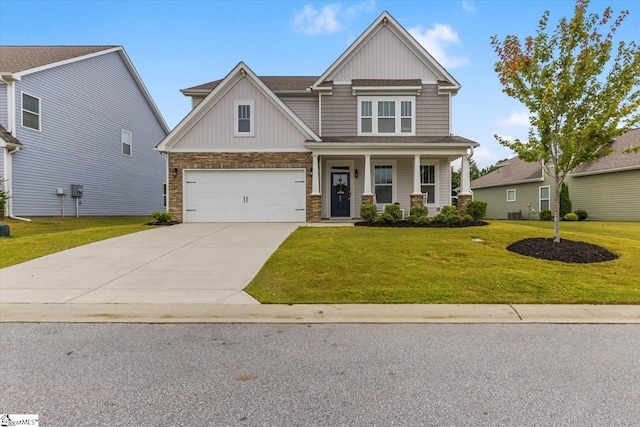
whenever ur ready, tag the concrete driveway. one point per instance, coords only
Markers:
(185, 263)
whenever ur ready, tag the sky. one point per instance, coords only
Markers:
(179, 44)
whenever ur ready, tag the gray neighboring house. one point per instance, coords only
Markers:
(375, 127)
(78, 115)
(608, 189)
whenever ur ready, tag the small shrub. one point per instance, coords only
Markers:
(454, 220)
(467, 219)
(386, 218)
(477, 209)
(161, 217)
(393, 210)
(439, 219)
(546, 215)
(419, 211)
(571, 217)
(368, 212)
(418, 220)
(449, 210)
(582, 214)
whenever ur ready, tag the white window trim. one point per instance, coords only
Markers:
(394, 177)
(398, 117)
(435, 163)
(540, 197)
(514, 195)
(22, 110)
(252, 119)
(122, 143)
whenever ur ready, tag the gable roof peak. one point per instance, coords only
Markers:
(386, 20)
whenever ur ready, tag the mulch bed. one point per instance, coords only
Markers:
(406, 224)
(568, 251)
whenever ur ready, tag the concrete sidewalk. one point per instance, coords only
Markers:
(318, 313)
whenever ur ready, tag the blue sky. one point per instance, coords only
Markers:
(178, 44)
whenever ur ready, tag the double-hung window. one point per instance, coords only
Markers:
(545, 199)
(511, 195)
(383, 183)
(428, 182)
(244, 118)
(30, 111)
(386, 115)
(126, 141)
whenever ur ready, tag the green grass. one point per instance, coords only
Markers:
(44, 236)
(399, 265)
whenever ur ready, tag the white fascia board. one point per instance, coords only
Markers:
(603, 171)
(416, 145)
(386, 19)
(240, 150)
(195, 92)
(506, 184)
(19, 74)
(386, 90)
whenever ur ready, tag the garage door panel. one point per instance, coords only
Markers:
(276, 195)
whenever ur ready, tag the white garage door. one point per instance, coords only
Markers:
(264, 195)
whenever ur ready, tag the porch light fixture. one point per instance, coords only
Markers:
(356, 173)
(175, 172)
(311, 171)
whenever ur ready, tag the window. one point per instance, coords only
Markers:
(383, 184)
(244, 114)
(164, 194)
(366, 117)
(386, 115)
(511, 195)
(544, 198)
(30, 111)
(428, 182)
(126, 142)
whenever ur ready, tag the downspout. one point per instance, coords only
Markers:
(8, 166)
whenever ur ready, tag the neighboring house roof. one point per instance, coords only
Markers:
(275, 83)
(385, 19)
(8, 140)
(240, 71)
(516, 171)
(512, 171)
(19, 61)
(618, 160)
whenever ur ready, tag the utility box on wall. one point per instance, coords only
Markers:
(76, 190)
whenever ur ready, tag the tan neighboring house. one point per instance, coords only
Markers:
(608, 189)
(375, 127)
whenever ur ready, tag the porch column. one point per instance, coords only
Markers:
(416, 198)
(367, 175)
(465, 195)
(315, 182)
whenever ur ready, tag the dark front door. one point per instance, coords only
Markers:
(340, 194)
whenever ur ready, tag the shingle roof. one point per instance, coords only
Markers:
(14, 59)
(8, 138)
(617, 159)
(274, 83)
(509, 172)
(447, 139)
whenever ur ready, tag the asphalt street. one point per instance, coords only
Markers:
(321, 375)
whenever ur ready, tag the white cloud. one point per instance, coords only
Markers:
(436, 41)
(516, 119)
(328, 19)
(313, 21)
(468, 6)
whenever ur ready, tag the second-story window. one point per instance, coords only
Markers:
(386, 115)
(244, 118)
(30, 112)
(126, 141)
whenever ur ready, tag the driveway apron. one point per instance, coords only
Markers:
(182, 264)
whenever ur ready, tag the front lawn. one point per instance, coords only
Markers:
(399, 265)
(46, 235)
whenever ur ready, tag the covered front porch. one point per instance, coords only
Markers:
(345, 176)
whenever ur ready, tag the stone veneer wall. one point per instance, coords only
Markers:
(463, 201)
(183, 161)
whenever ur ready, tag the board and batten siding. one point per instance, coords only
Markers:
(84, 107)
(384, 56)
(305, 107)
(613, 196)
(215, 130)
